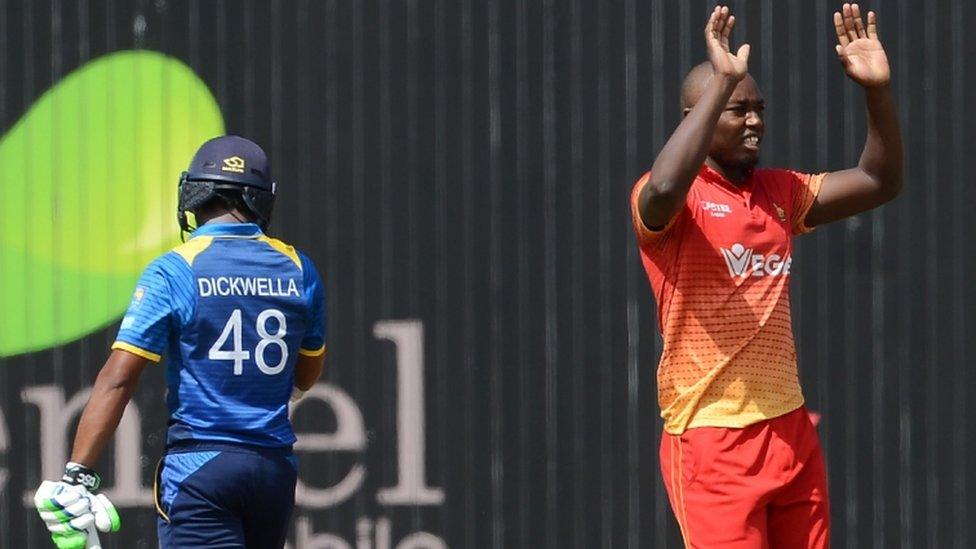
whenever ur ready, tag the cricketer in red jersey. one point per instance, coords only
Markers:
(740, 457)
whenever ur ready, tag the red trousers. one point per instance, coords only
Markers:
(760, 487)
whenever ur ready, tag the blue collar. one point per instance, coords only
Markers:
(228, 229)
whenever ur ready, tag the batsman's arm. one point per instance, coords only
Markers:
(311, 354)
(308, 369)
(114, 387)
(678, 163)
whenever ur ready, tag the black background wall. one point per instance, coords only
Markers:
(467, 164)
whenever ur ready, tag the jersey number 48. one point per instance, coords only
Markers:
(239, 354)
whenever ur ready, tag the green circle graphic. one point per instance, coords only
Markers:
(88, 178)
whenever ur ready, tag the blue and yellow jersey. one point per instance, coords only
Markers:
(231, 309)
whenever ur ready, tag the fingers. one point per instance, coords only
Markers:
(56, 523)
(858, 23)
(842, 39)
(743, 52)
(62, 528)
(721, 21)
(81, 522)
(64, 509)
(106, 516)
(728, 28)
(848, 14)
(722, 24)
(850, 27)
(718, 28)
(710, 25)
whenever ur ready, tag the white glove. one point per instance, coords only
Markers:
(296, 394)
(106, 516)
(69, 509)
(66, 511)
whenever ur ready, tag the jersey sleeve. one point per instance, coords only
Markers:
(644, 234)
(313, 342)
(804, 189)
(145, 328)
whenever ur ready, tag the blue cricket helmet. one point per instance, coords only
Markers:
(228, 162)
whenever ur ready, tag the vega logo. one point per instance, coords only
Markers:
(88, 180)
(743, 261)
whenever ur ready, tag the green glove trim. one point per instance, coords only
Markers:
(73, 540)
(114, 515)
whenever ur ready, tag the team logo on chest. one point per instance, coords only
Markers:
(743, 261)
(716, 209)
(780, 212)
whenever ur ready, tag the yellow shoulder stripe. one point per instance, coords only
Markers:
(309, 352)
(190, 250)
(283, 248)
(123, 346)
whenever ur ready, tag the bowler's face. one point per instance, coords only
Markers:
(739, 130)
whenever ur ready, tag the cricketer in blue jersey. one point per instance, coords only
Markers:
(240, 318)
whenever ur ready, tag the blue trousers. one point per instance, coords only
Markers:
(225, 496)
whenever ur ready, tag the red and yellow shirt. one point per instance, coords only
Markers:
(720, 272)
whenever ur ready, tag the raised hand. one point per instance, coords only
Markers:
(859, 49)
(717, 32)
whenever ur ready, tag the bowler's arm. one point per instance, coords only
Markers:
(677, 164)
(878, 175)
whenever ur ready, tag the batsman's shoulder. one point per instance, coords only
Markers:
(305, 259)
(190, 249)
(282, 247)
(172, 262)
(167, 267)
(309, 268)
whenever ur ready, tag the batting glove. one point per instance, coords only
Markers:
(69, 507)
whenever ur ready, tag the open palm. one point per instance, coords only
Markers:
(859, 49)
(717, 31)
